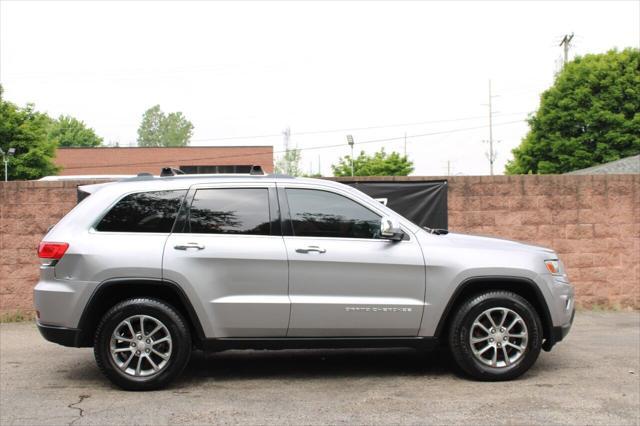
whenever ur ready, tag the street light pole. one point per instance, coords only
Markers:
(5, 159)
(350, 142)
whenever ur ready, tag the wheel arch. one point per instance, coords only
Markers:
(522, 286)
(115, 290)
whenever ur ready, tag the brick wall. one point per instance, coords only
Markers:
(592, 221)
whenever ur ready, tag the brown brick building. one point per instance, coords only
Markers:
(134, 160)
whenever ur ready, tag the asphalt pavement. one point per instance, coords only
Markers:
(593, 377)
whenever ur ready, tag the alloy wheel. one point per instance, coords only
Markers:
(141, 346)
(498, 337)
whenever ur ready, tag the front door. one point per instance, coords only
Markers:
(344, 280)
(231, 260)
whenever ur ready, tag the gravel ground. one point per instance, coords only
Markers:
(593, 377)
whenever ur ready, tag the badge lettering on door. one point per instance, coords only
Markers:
(376, 309)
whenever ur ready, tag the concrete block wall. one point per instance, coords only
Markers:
(592, 221)
(27, 210)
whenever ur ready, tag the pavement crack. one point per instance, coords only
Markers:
(80, 410)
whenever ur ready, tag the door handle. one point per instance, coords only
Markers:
(189, 246)
(309, 249)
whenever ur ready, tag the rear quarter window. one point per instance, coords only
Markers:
(143, 212)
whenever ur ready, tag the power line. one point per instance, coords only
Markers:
(311, 148)
(352, 129)
(405, 124)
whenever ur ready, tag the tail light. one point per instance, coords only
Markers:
(47, 250)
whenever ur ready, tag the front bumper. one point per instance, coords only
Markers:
(558, 333)
(61, 335)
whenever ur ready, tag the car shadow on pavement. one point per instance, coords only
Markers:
(324, 364)
(316, 363)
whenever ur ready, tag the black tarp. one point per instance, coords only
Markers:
(423, 203)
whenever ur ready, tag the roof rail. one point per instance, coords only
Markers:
(170, 171)
(139, 176)
(279, 176)
(256, 170)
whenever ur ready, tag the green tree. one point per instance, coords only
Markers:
(176, 129)
(289, 163)
(150, 132)
(590, 116)
(68, 131)
(26, 130)
(160, 129)
(378, 164)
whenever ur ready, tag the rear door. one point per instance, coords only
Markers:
(228, 253)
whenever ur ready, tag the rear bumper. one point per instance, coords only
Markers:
(558, 333)
(60, 302)
(61, 335)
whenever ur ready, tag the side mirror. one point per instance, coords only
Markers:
(390, 229)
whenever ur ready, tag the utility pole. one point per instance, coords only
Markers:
(286, 133)
(405, 144)
(491, 155)
(319, 168)
(566, 43)
(448, 167)
(350, 142)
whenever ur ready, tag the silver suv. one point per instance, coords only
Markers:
(149, 268)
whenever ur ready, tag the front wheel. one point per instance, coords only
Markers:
(142, 344)
(495, 336)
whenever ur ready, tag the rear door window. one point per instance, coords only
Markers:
(230, 211)
(143, 212)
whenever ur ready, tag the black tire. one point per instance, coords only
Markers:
(169, 317)
(460, 333)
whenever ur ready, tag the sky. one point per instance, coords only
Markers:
(242, 72)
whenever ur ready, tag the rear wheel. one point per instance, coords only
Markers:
(142, 344)
(495, 336)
